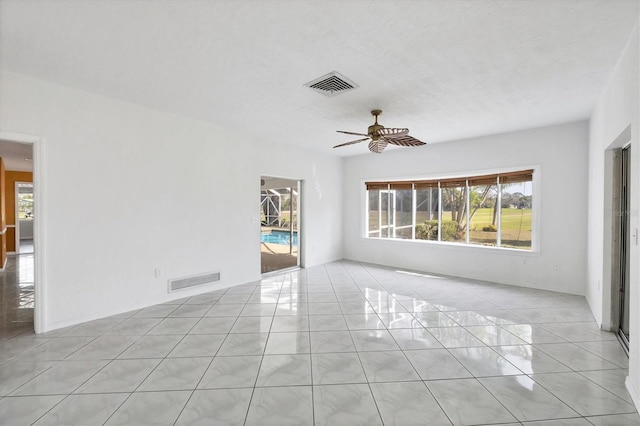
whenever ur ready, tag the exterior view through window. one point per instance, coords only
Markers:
(491, 210)
(25, 205)
(279, 219)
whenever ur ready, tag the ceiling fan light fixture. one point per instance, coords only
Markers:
(379, 136)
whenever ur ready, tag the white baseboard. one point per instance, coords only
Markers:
(635, 395)
(169, 297)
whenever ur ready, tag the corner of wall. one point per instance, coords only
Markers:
(633, 392)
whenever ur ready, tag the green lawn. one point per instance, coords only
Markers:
(516, 228)
(516, 225)
(512, 219)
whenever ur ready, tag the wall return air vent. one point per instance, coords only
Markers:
(331, 84)
(188, 282)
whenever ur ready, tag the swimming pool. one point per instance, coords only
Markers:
(279, 237)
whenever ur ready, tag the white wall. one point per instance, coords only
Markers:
(128, 189)
(560, 152)
(616, 111)
(26, 229)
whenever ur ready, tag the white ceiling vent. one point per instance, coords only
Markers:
(331, 84)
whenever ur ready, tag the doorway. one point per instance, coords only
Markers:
(279, 224)
(17, 279)
(24, 215)
(624, 242)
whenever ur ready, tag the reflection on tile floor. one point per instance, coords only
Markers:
(16, 296)
(342, 344)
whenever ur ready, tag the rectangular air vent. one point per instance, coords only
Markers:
(188, 282)
(331, 84)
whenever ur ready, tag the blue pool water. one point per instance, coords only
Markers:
(279, 237)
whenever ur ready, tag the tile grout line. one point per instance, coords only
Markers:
(153, 369)
(364, 371)
(68, 395)
(253, 390)
(365, 277)
(204, 372)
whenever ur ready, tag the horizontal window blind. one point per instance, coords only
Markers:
(523, 176)
(452, 183)
(372, 186)
(483, 180)
(427, 184)
(492, 179)
(400, 186)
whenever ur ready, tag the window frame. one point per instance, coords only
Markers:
(535, 171)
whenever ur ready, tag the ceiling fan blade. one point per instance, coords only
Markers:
(392, 133)
(351, 143)
(352, 133)
(377, 146)
(403, 140)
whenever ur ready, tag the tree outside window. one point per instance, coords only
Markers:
(489, 210)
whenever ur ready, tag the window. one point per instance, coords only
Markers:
(403, 211)
(427, 211)
(489, 210)
(515, 217)
(25, 205)
(386, 217)
(483, 213)
(453, 222)
(375, 213)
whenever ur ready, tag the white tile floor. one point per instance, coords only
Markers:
(16, 296)
(341, 344)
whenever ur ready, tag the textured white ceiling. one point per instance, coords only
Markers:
(17, 156)
(445, 69)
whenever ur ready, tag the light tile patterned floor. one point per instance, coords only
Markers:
(340, 344)
(16, 296)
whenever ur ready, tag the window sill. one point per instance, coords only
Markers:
(448, 245)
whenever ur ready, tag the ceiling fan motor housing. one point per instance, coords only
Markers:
(373, 129)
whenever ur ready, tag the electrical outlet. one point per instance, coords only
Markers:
(158, 272)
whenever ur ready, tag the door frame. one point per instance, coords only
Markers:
(39, 211)
(623, 237)
(300, 222)
(610, 287)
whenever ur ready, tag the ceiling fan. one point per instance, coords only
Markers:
(379, 136)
